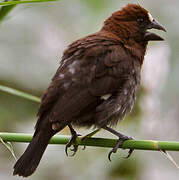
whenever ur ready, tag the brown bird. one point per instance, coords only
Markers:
(96, 83)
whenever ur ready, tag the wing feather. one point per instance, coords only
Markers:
(90, 68)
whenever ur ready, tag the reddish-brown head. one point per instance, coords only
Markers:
(132, 22)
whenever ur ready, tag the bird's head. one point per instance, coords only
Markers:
(133, 22)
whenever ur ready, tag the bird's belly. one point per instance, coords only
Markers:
(125, 100)
(110, 113)
(128, 99)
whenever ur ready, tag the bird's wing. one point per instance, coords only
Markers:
(90, 69)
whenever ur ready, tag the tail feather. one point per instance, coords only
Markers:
(29, 161)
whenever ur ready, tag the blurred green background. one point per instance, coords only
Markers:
(32, 40)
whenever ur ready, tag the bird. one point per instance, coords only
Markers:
(96, 83)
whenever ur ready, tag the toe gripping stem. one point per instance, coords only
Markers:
(72, 142)
(120, 142)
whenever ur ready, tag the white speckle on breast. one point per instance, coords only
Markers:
(72, 67)
(72, 70)
(125, 91)
(61, 75)
(106, 96)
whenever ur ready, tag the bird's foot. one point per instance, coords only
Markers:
(72, 142)
(118, 145)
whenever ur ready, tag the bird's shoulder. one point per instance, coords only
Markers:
(95, 54)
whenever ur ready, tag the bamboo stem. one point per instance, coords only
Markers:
(98, 142)
(19, 93)
(7, 3)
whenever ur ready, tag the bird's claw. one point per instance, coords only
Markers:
(72, 143)
(129, 153)
(74, 150)
(118, 145)
(114, 149)
(109, 155)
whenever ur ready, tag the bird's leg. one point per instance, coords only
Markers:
(122, 138)
(90, 135)
(72, 141)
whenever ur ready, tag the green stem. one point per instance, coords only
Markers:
(19, 93)
(7, 3)
(98, 142)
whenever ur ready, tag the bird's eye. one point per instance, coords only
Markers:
(140, 20)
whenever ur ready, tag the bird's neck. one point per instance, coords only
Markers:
(136, 47)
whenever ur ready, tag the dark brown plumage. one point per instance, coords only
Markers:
(96, 83)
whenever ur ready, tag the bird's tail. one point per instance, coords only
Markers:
(29, 161)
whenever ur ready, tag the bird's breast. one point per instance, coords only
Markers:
(128, 94)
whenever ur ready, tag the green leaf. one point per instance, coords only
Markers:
(4, 11)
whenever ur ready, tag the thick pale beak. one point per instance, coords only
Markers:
(149, 36)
